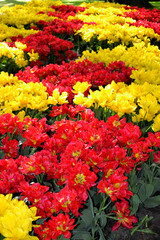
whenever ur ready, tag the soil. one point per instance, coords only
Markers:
(125, 234)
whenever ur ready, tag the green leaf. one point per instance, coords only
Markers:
(1, 237)
(149, 189)
(2, 154)
(145, 191)
(87, 217)
(158, 171)
(102, 237)
(134, 177)
(97, 199)
(147, 230)
(102, 220)
(139, 225)
(81, 235)
(91, 206)
(156, 184)
(40, 221)
(81, 226)
(142, 193)
(135, 201)
(92, 192)
(152, 202)
(147, 171)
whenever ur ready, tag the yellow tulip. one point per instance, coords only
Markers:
(156, 124)
(81, 87)
(16, 219)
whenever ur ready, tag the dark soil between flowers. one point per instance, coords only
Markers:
(125, 234)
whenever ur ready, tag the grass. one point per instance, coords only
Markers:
(12, 2)
(73, 2)
(78, 2)
(156, 4)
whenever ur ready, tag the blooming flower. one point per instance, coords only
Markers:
(155, 125)
(33, 56)
(123, 215)
(115, 185)
(16, 219)
(10, 147)
(81, 87)
(56, 226)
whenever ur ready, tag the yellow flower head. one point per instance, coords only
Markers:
(81, 87)
(20, 45)
(149, 107)
(33, 56)
(79, 99)
(58, 98)
(4, 203)
(16, 219)
(156, 124)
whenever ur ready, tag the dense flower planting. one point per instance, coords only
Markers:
(64, 77)
(146, 18)
(73, 157)
(112, 28)
(79, 119)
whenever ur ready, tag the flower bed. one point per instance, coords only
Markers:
(79, 119)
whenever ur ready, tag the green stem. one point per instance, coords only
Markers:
(40, 178)
(102, 204)
(98, 214)
(139, 225)
(106, 206)
(33, 151)
(154, 168)
(132, 176)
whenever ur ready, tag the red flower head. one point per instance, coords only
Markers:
(10, 177)
(81, 178)
(156, 157)
(10, 147)
(40, 162)
(34, 137)
(55, 227)
(33, 192)
(10, 124)
(115, 185)
(123, 216)
(67, 199)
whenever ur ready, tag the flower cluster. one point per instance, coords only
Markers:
(146, 18)
(65, 76)
(44, 43)
(17, 95)
(42, 46)
(60, 27)
(155, 26)
(71, 156)
(75, 134)
(65, 11)
(17, 20)
(144, 14)
(7, 32)
(140, 101)
(48, 47)
(113, 28)
(12, 56)
(144, 59)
